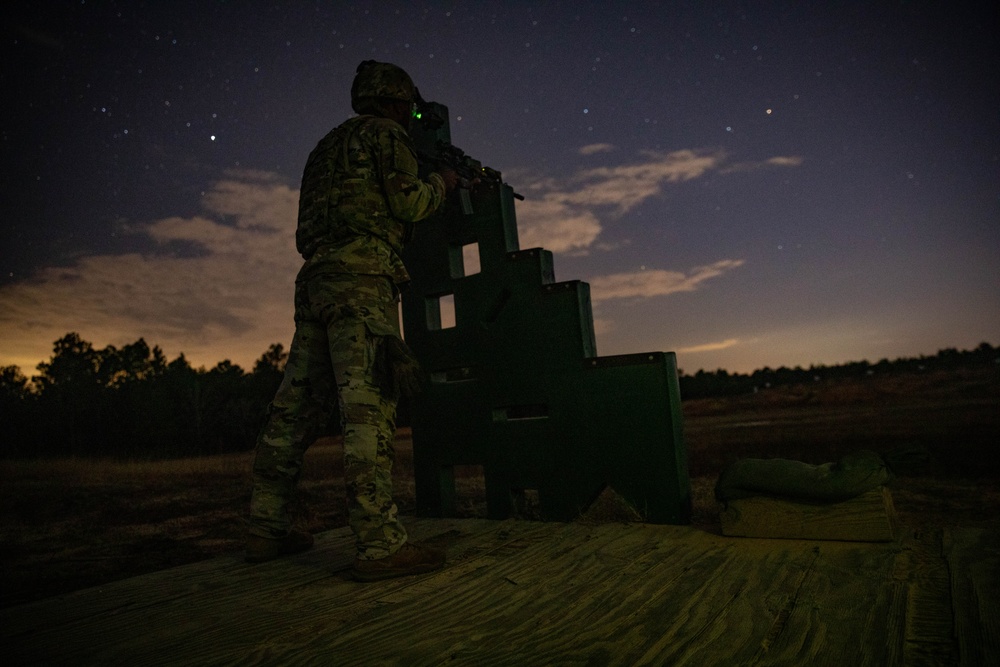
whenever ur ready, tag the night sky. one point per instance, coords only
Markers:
(747, 184)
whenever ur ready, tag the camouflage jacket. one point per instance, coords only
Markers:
(359, 189)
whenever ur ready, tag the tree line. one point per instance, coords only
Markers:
(130, 402)
(722, 383)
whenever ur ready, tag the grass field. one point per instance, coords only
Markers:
(72, 523)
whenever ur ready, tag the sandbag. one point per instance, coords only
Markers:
(856, 473)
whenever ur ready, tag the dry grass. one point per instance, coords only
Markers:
(954, 416)
(72, 523)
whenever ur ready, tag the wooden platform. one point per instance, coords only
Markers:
(869, 517)
(529, 593)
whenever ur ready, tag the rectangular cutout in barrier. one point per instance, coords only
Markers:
(440, 312)
(463, 260)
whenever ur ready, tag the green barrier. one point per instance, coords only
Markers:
(515, 385)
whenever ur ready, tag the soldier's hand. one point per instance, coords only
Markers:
(400, 370)
(450, 179)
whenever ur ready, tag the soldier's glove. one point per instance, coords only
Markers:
(403, 375)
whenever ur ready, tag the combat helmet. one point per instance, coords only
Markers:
(381, 81)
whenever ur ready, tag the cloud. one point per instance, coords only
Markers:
(623, 187)
(777, 161)
(590, 149)
(566, 229)
(567, 215)
(792, 161)
(710, 347)
(229, 300)
(658, 282)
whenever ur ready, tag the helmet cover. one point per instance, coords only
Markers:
(381, 81)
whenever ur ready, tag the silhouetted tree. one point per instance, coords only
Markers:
(179, 395)
(17, 408)
(13, 387)
(134, 388)
(70, 403)
(272, 363)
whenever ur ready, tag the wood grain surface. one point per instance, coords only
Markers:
(533, 593)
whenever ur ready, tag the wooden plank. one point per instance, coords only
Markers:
(842, 611)
(973, 556)
(513, 592)
(154, 615)
(928, 638)
(612, 595)
(869, 517)
(621, 596)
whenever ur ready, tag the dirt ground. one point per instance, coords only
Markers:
(70, 524)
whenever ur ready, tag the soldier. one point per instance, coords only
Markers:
(360, 189)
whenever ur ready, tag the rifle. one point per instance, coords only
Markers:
(437, 154)
(470, 171)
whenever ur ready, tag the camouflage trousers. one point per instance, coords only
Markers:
(340, 323)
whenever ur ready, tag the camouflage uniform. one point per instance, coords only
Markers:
(359, 190)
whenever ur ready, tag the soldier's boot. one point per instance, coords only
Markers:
(410, 559)
(261, 549)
